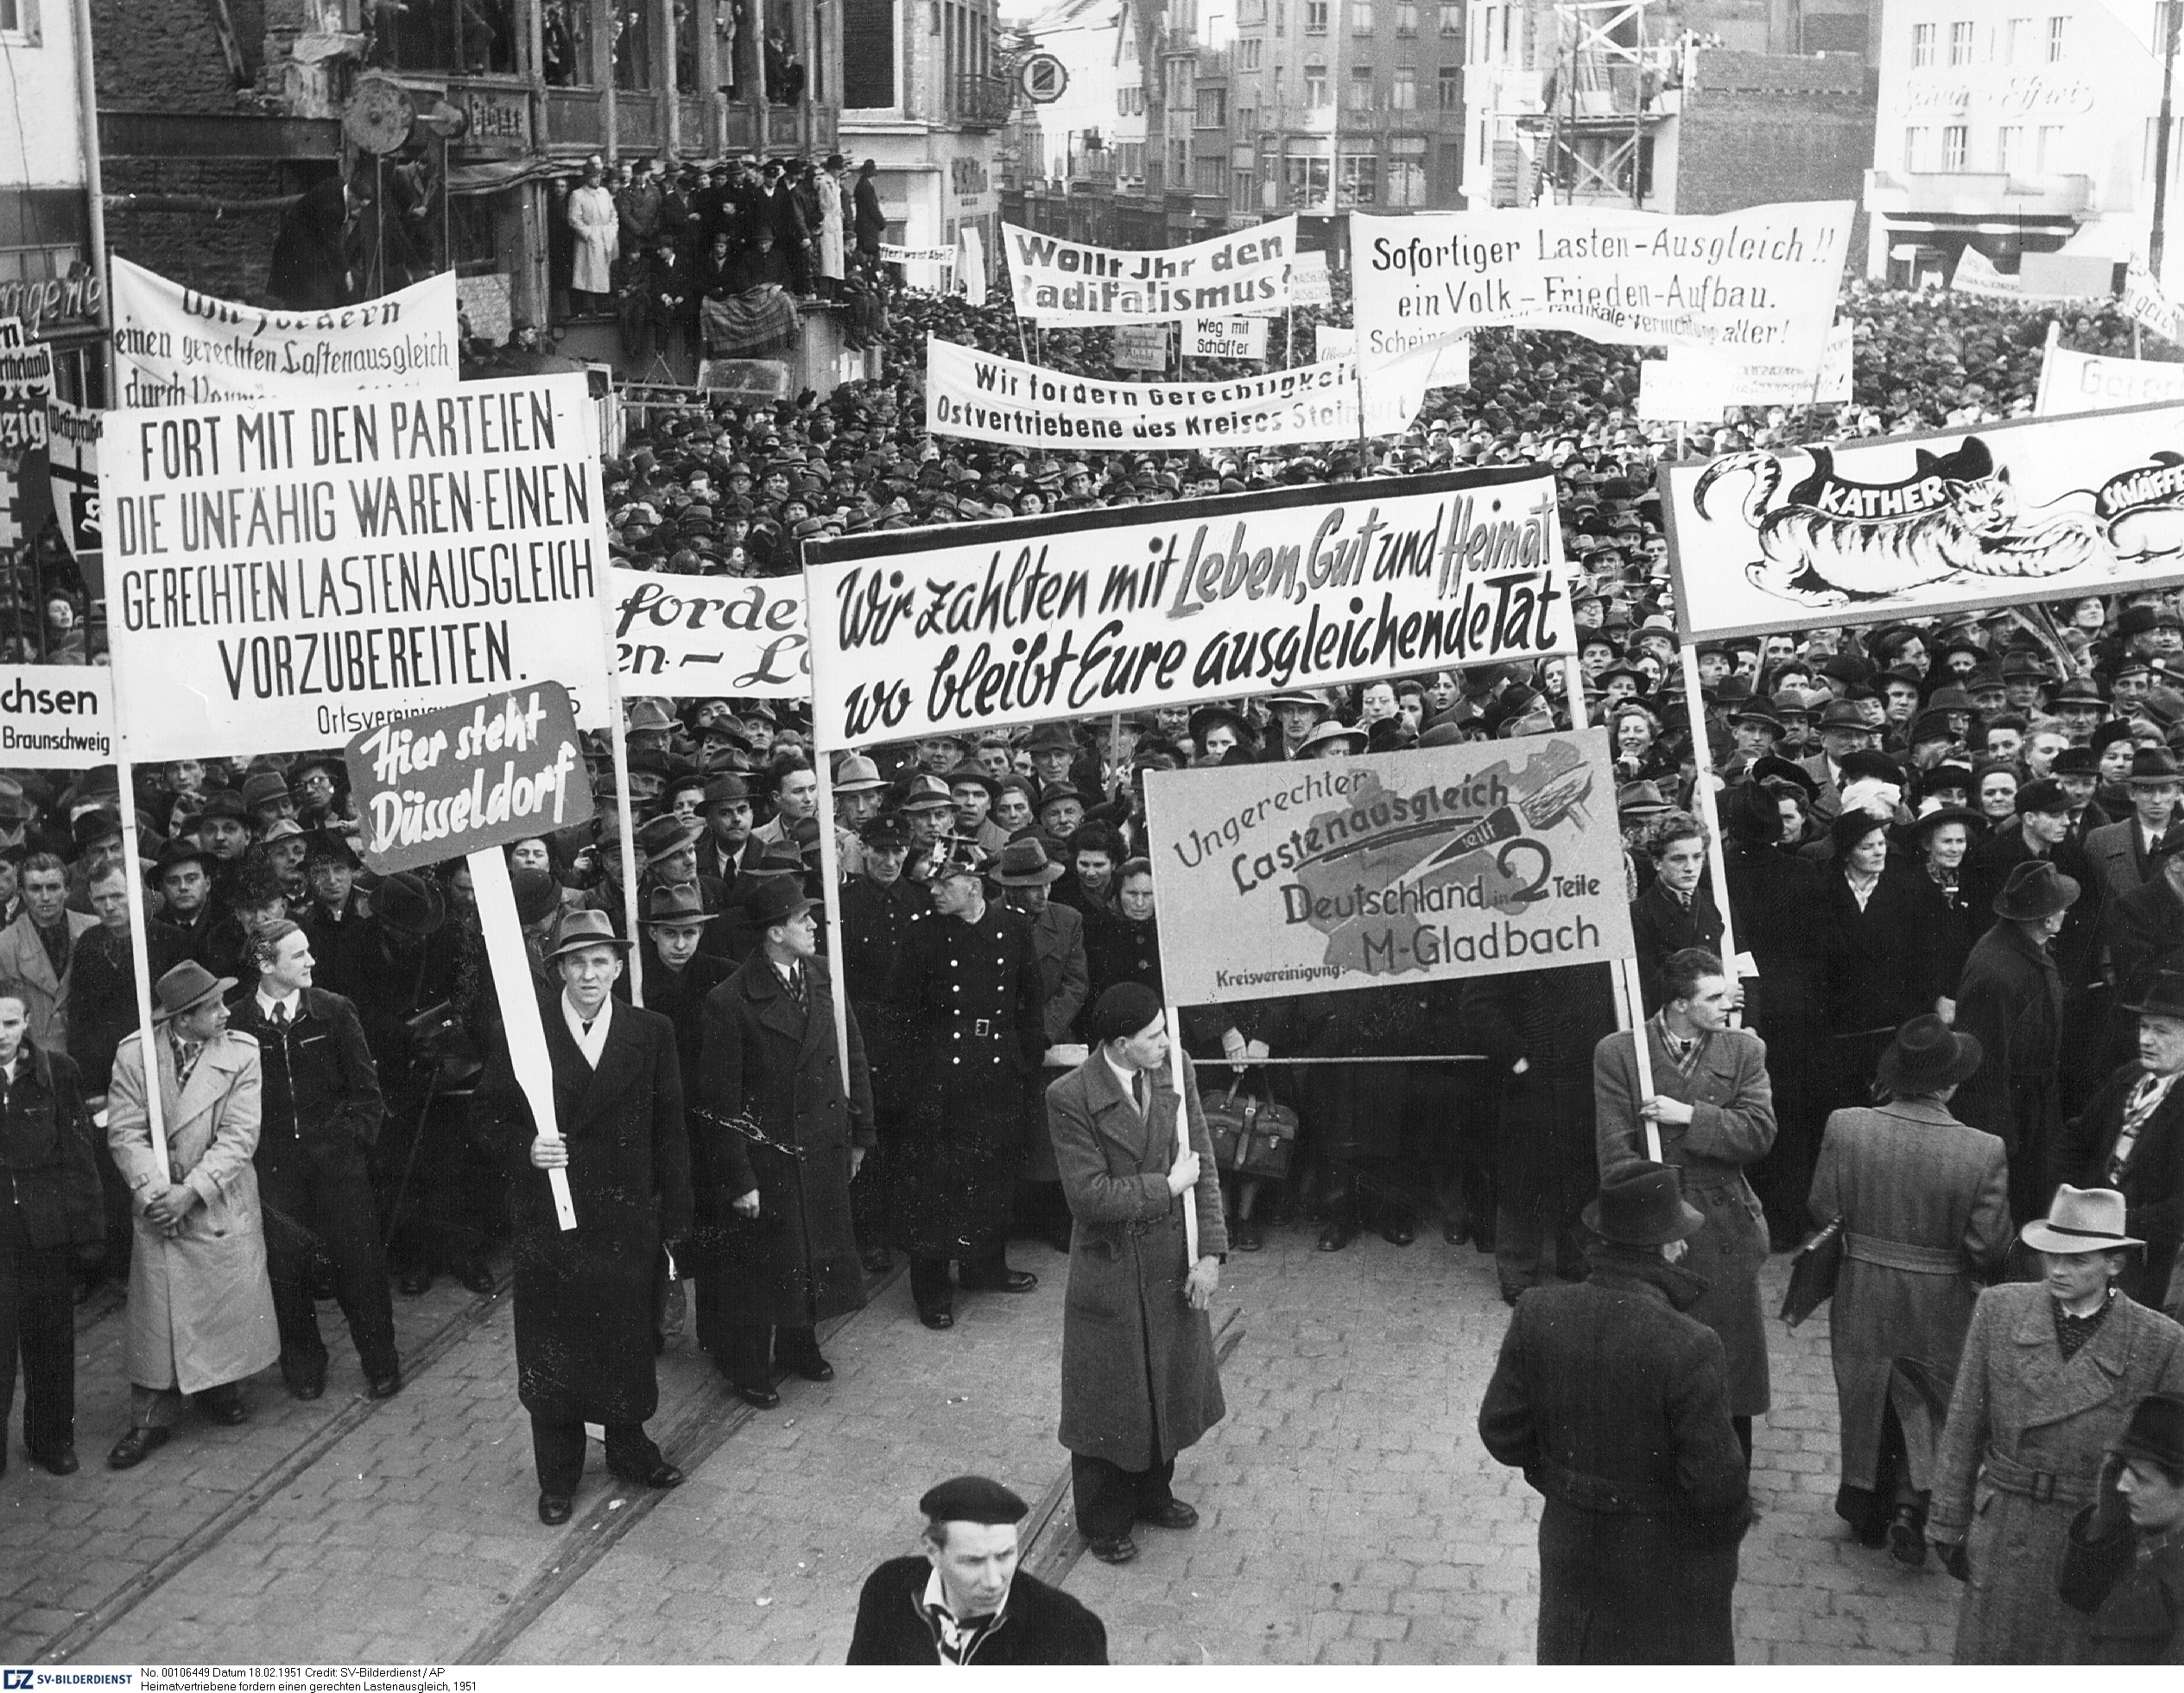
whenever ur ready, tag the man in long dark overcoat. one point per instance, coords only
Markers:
(878, 902)
(1138, 1378)
(1611, 1398)
(584, 1321)
(771, 1271)
(967, 982)
(2010, 1000)
(1716, 1113)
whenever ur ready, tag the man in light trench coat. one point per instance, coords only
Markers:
(1139, 1381)
(200, 1309)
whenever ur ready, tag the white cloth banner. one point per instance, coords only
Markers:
(1069, 614)
(25, 387)
(1690, 384)
(944, 256)
(1976, 275)
(1333, 341)
(285, 576)
(1059, 281)
(174, 346)
(1140, 346)
(2146, 301)
(1224, 338)
(971, 263)
(1761, 282)
(1308, 281)
(984, 397)
(2049, 508)
(2072, 382)
(711, 634)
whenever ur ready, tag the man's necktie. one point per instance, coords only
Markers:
(279, 1019)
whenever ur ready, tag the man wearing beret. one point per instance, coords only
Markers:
(1139, 1381)
(964, 1602)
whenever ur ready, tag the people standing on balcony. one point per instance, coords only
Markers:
(834, 212)
(596, 226)
(784, 69)
(868, 221)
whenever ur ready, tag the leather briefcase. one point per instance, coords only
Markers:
(1813, 1274)
(1251, 1136)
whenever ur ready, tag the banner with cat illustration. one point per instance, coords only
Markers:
(2045, 508)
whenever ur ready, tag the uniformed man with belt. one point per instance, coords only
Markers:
(967, 983)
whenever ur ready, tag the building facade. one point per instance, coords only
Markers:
(49, 279)
(924, 96)
(209, 112)
(2017, 128)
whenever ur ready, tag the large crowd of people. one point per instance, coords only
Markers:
(1952, 852)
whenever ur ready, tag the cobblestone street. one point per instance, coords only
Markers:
(1350, 1514)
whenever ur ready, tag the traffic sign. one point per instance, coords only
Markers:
(1043, 78)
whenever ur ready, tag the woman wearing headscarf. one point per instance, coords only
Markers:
(2051, 1369)
(1925, 1206)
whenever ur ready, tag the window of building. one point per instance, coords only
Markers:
(1916, 140)
(1315, 86)
(1130, 159)
(12, 19)
(1956, 146)
(1316, 16)
(1304, 181)
(1360, 179)
(1960, 44)
(1247, 120)
(2018, 40)
(1213, 108)
(1405, 17)
(1403, 93)
(868, 52)
(1281, 18)
(2009, 148)
(1361, 88)
(1452, 17)
(1249, 52)
(456, 36)
(1251, 14)
(1921, 45)
(1211, 178)
(2048, 161)
(2058, 39)
(1451, 81)
(1361, 17)
(1406, 182)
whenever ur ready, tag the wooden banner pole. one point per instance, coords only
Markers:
(1703, 792)
(517, 988)
(1626, 972)
(1176, 1076)
(140, 946)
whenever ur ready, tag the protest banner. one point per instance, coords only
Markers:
(928, 268)
(2073, 382)
(284, 575)
(1066, 282)
(1762, 281)
(56, 716)
(174, 346)
(923, 631)
(1917, 526)
(1976, 275)
(971, 263)
(1303, 878)
(72, 465)
(711, 634)
(1689, 384)
(1333, 341)
(2147, 303)
(466, 781)
(26, 388)
(1141, 347)
(1224, 338)
(986, 397)
(1308, 281)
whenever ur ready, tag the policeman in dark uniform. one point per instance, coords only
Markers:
(878, 904)
(967, 983)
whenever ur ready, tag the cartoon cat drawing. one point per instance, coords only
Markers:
(1833, 540)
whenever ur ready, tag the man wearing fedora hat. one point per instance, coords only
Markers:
(1843, 730)
(1924, 1204)
(2051, 1369)
(2009, 999)
(778, 1254)
(2123, 1564)
(968, 985)
(2131, 1137)
(1295, 712)
(2122, 854)
(200, 1308)
(585, 1333)
(728, 850)
(1027, 879)
(1612, 1399)
(679, 972)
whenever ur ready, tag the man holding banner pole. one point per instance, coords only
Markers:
(1139, 1378)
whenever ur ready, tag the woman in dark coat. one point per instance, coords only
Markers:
(1677, 909)
(1778, 901)
(1947, 926)
(1876, 979)
(769, 1274)
(1924, 1206)
(2011, 1000)
(583, 1296)
(1123, 943)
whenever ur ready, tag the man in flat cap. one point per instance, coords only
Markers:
(964, 1602)
(1139, 1382)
